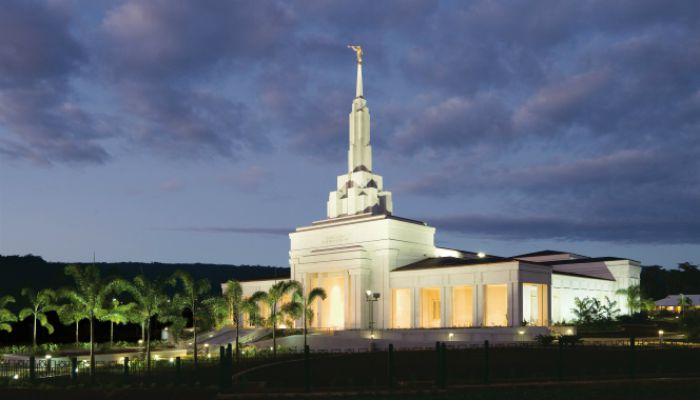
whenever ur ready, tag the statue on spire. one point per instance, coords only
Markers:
(358, 51)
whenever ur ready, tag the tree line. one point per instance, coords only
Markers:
(142, 300)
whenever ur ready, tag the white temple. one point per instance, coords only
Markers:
(361, 253)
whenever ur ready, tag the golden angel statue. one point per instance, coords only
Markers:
(358, 51)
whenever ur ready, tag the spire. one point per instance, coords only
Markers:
(360, 190)
(358, 89)
(358, 52)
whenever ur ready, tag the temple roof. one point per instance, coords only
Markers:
(444, 262)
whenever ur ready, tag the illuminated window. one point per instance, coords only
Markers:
(462, 306)
(430, 307)
(496, 305)
(401, 308)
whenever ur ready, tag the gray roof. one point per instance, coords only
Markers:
(674, 299)
(444, 262)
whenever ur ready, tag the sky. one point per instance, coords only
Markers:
(190, 131)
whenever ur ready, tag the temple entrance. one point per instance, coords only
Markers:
(329, 313)
(535, 304)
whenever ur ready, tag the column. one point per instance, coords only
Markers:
(478, 305)
(515, 304)
(445, 306)
(416, 308)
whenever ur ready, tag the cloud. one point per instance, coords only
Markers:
(649, 229)
(171, 185)
(38, 119)
(233, 229)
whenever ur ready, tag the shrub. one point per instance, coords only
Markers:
(544, 340)
(570, 340)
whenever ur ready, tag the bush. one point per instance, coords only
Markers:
(691, 324)
(544, 340)
(570, 340)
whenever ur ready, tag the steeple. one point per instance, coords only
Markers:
(358, 87)
(359, 191)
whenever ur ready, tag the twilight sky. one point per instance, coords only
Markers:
(183, 131)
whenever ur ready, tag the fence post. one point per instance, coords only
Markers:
(32, 368)
(223, 364)
(74, 369)
(443, 365)
(307, 370)
(126, 368)
(390, 366)
(560, 369)
(632, 357)
(486, 362)
(178, 369)
(229, 354)
(437, 363)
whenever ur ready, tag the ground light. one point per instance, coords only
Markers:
(661, 336)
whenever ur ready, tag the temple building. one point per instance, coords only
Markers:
(381, 269)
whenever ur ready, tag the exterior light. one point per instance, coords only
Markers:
(210, 335)
(48, 356)
(156, 357)
(140, 341)
(76, 370)
(371, 336)
(172, 360)
(451, 335)
(270, 348)
(521, 332)
(15, 376)
(569, 331)
(114, 299)
(481, 254)
(206, 344)
(368, 293)
(661, 332)
(208, 355)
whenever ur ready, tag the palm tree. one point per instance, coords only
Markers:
(6, 316)
(150, 299)
(116, 313)
(231, 306)
(72, 313)
(272, 298)
(300, 306)
(89, 295)
(633, 295)
(39, 304)
(191, 297)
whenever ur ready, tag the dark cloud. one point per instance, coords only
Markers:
(647, 229)
(38, 119)
(233, 229)
(163, 56)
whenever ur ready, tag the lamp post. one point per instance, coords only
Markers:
(661, 337)
(371, 298)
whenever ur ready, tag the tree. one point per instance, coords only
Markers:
(585, 309)
(191, 295)
(39, 304)
(6, 316)
(300, 306)
(89, 295)
(230, 308)
(72, 313)
(683, 302)
(272, 298)
(116, 313)
(633, 295)
(150, 299)
(608, 310)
